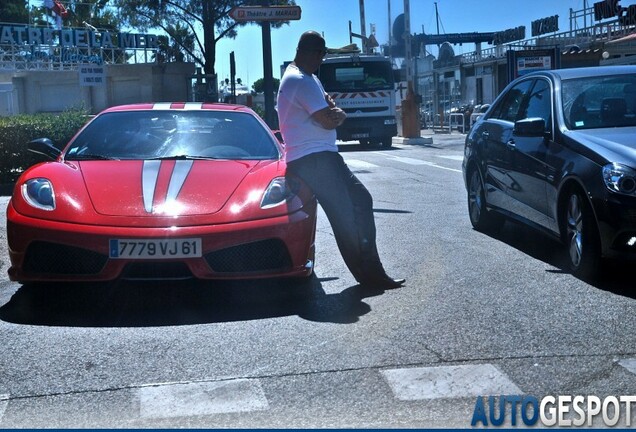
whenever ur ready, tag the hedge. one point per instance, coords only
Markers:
(17, 131)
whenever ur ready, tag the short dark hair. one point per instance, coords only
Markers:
(311, 41)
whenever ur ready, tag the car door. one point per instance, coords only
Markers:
(528, 170)
(495, 134)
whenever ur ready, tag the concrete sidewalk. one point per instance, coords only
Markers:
(433, 137)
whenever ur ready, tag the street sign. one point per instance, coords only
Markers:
(265, 13)
(92, 75)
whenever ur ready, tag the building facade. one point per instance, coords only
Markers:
(602, 34)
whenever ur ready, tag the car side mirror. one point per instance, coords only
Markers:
(45, 147)
(530, 127)
(279, 136)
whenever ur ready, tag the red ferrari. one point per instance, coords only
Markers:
(162, 191)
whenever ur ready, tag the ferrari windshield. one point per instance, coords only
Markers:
(599, 102)
(173, 134)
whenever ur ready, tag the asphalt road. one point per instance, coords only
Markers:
(479, 315)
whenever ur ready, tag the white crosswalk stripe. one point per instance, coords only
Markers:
(165, 401)
(449, 382)
(355, 163)
(451, 157)
(411, 161)
(629, 364)
(4, 401)
(202, 398)
(359, 164)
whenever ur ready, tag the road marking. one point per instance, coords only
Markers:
(629, 364)
(451, 157)
(4, 402)
(412, 161)
(355, 163)
(449, 382)
(203, 398)
(409, 161)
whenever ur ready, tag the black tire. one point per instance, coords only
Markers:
(481, 218)
(386, 142)
(581, 237)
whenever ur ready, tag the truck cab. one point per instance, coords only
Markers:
(363, 86)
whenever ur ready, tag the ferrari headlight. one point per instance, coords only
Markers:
(279, 190)
(39, 193)
(620, 178)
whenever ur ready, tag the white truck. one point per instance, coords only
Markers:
(363, 86)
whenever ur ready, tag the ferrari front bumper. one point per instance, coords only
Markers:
(43, 250)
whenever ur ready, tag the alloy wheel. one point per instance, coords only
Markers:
(475, 192)
(575, 230)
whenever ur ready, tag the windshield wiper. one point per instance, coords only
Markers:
(85, 156)
(179, 157)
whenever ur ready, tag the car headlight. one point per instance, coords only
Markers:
(279, 190)
(620, 178)
(39, 193)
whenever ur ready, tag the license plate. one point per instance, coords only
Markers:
(155, 248)
(360, 135)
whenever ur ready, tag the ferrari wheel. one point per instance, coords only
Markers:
(581, 237)
(480, 217)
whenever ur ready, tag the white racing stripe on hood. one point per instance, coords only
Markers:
(162, 106)
(149, 175)
(179, 175)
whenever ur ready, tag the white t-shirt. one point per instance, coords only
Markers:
(299, 96)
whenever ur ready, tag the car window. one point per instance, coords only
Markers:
(539, 103)
(166, 134)
(598, 102)
(511, 104)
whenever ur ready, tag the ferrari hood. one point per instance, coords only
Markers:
(166, 187)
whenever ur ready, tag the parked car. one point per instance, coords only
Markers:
(557, 151)
(162, 191)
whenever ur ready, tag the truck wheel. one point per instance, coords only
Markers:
(386, 142)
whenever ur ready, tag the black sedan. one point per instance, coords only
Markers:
(557, 151)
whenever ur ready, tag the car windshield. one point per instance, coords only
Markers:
(174, 134)
(599, 102)
(363, 76)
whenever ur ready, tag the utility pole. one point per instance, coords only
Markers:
(363, 25)
(268, 79)
(410, 123)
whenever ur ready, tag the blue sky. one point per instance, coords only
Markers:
(331, 18)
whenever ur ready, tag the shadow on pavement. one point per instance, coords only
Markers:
(614, 277)
(136, 304)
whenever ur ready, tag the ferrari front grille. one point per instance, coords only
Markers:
(261, 256)
(53, 258)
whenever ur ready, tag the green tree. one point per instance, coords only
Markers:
(173, 49)
(96, 13)
(207, 21)
(14, 11)
(259, 84)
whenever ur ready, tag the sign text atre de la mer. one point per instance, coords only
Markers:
(79, 38)
(265, 13)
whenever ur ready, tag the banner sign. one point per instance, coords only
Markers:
(521, 62)
(17, 35)
(91, 75)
